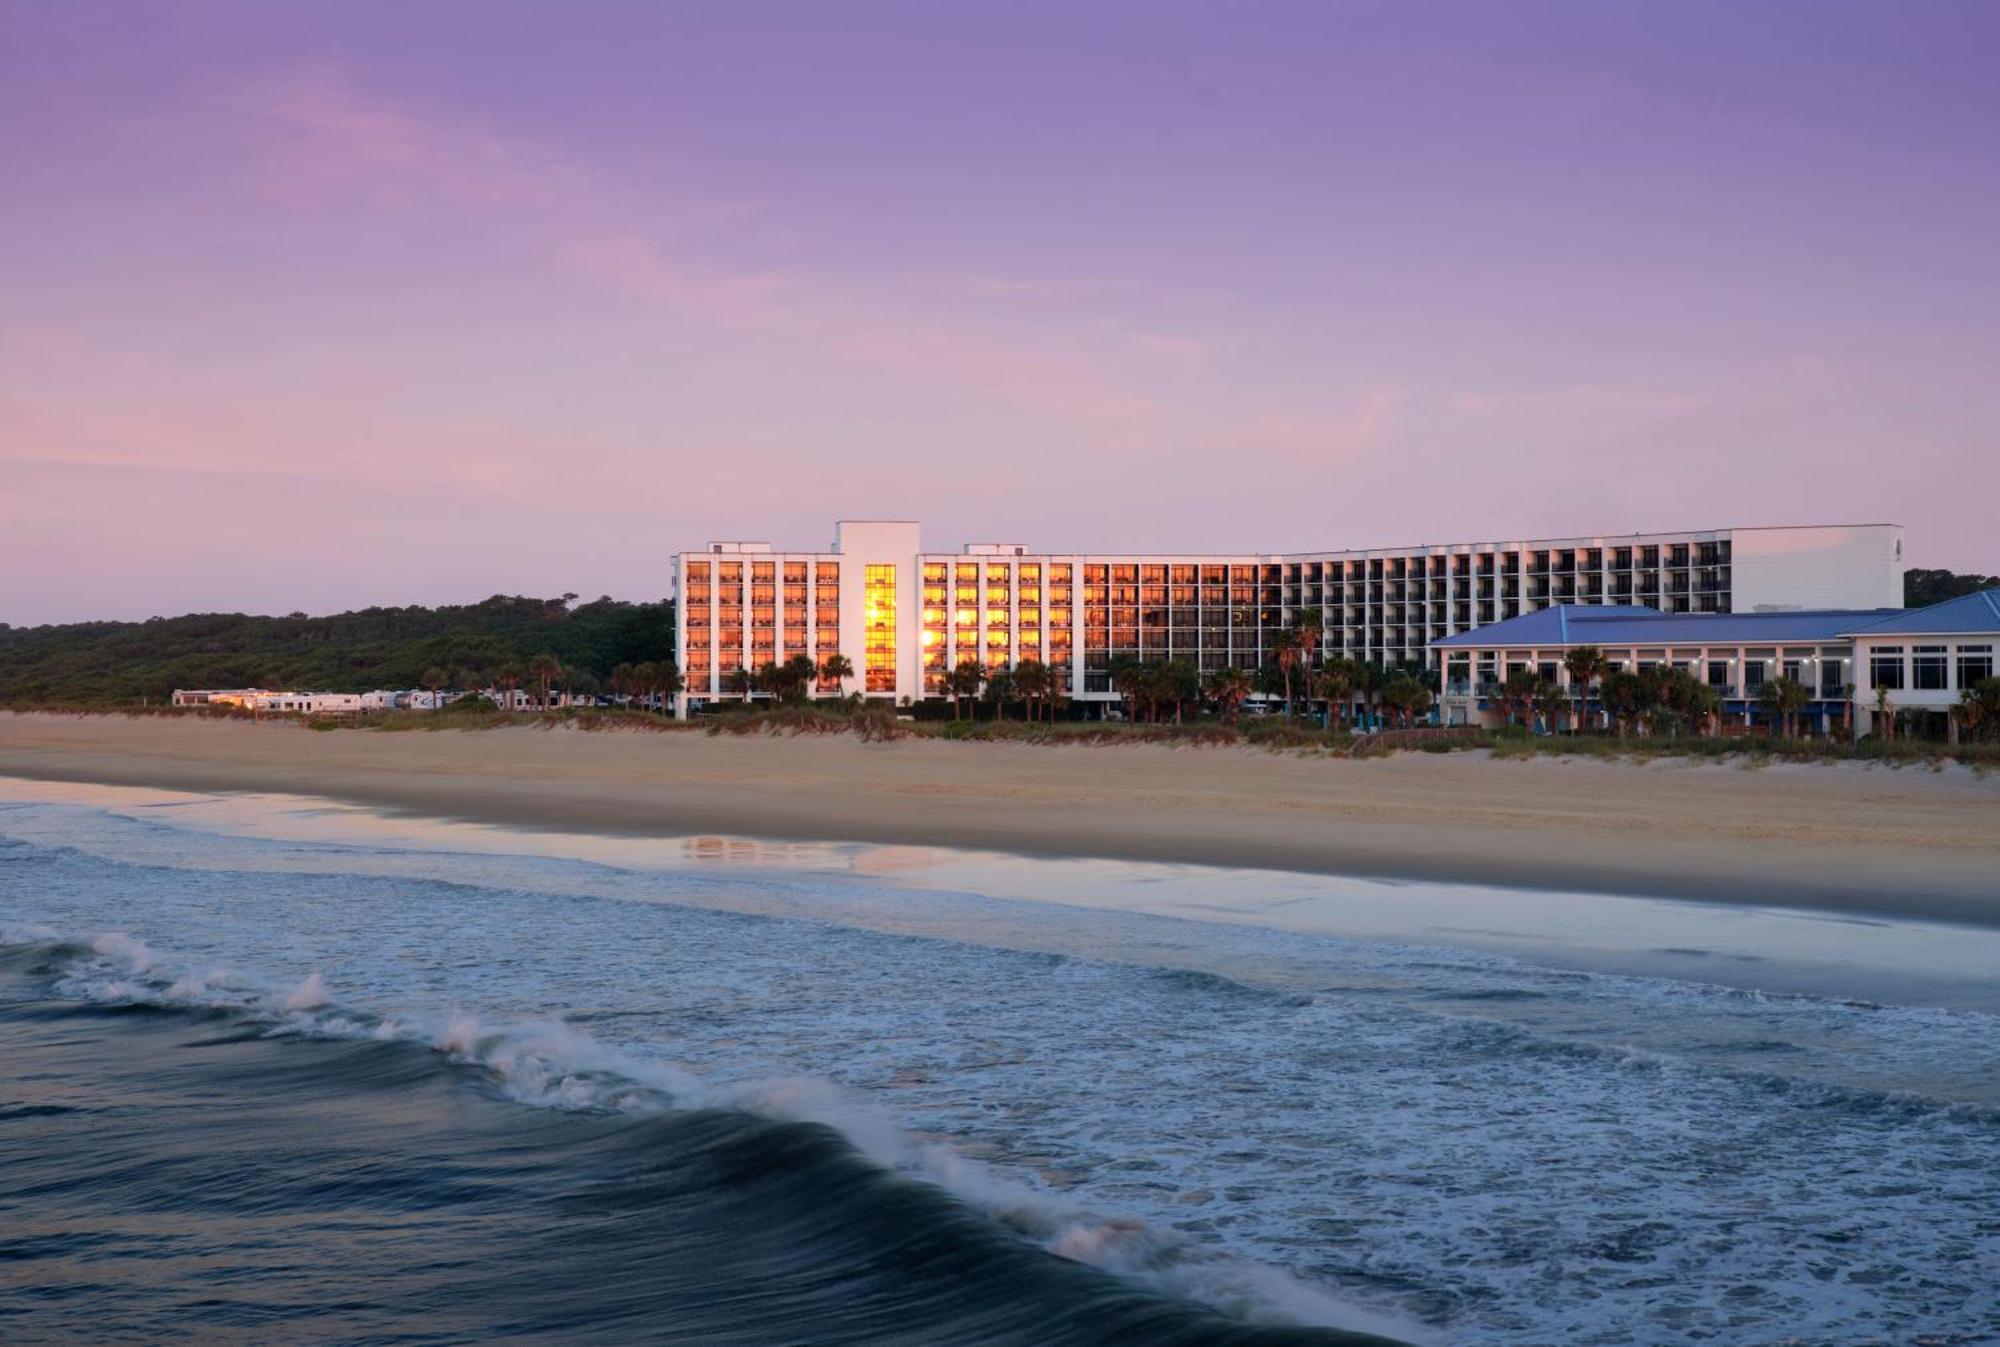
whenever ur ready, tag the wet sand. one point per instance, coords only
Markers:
(1909, 842)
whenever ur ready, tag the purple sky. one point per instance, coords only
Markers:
(317, 306)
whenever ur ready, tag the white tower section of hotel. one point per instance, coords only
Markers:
(903, 618)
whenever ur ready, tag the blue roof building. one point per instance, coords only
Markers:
(1854, 662)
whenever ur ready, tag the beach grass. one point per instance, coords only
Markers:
(875, 724)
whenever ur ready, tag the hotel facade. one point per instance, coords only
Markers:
(904, 618)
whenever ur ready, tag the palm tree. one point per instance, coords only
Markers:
(436, 680)
(1885, 719)
(1518, 693)
(1550, 700)
(740, 682)
(1368, 680)
(1285, 652)
(508, 676)
(1128, 680)
(1692, 700)
(1227, 688)
(795, 678)
(1032, 679)
(1978, 709)
(1406, 698)
(835, 669)
(1335, 683)
(1179, 683)
(545, 668)
(631, 682)
(1000, 689)
(1585, 665)
(1307, 632)
(665, 679)
(1782, 700)
(1622, 694)
(962, 682)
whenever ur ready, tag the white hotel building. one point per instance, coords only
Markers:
(904, 617)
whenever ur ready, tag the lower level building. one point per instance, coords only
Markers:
(1854, 664)
(902, 618)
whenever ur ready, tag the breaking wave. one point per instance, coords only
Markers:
(551, 1065)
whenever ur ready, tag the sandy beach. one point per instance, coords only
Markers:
(1908, 842)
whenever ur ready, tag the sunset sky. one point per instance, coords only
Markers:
(320, 306)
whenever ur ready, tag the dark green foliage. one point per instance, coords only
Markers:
(1922, 588)
(109, 663)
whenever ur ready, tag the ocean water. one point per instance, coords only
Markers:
(276, 1068)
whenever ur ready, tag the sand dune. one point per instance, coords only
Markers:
(1910, 841)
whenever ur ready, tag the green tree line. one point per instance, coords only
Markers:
(1922, 588)
(112, 663)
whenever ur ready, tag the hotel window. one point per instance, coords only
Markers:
(1753, 674)
(1927, 668)
(795, 572)
(764, 572)
(729, 573)
(879, 627)
(826, 573)
(1059, 574)
(1718, 673)
(966, 573)
(934, 572)
(1795, 670)
(1031, 573)
(1975, 664)
(1832, 676)
(1885, 667)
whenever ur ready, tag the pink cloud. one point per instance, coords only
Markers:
(1602, 408)
(628, 265)
(1320, 440)
(1175, 347)
(329, 141)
